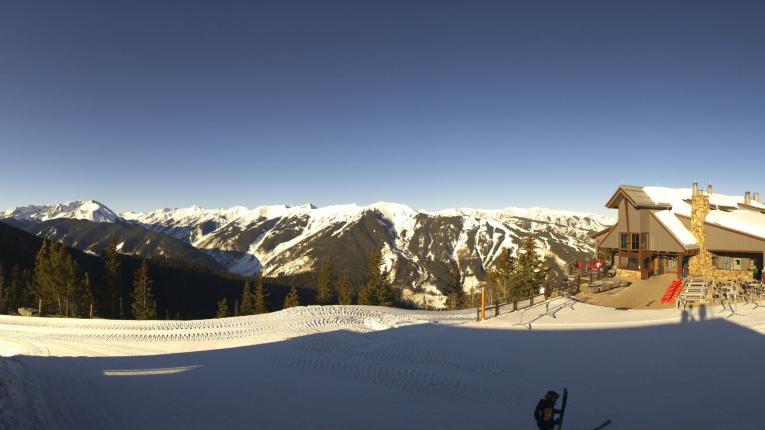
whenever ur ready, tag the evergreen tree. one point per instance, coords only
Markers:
(385, 294)
(41, 280)
(455, 298)
(3, 291)
(13, 293)
(245, 306)
(501, 275)
(530, 269)
(344, 294)
(260, 295)
(67, 280)
(143, 306)
(19, 289)
(82, 299)
(378, 289)
(325, 285)
(222, 309)
(112, 291)
(55, 276)
(292, 299)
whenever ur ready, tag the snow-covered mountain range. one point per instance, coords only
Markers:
(286, 241)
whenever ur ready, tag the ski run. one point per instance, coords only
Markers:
(344, 367)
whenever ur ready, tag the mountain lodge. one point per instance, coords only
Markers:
(685, 231)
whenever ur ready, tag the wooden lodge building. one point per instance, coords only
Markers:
(684, 231)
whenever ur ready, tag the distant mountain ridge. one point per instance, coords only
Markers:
(291, 240)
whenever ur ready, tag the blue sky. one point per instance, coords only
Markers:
(435, 104)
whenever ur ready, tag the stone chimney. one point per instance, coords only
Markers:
(709, 189)
(695, 189)
(701, 264)
(756, 197)
(747, 198)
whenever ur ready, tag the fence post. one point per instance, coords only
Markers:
(496, 308)
(483, 304)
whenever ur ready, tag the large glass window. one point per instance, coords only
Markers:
(635, 241)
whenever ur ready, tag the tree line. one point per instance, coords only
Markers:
(57, 285)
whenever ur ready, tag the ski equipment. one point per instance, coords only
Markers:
(562, 408)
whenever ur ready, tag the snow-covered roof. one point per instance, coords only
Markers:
(727, 211)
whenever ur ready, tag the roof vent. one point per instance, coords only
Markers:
(747, 198)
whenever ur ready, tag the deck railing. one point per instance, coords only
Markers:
(561, 289)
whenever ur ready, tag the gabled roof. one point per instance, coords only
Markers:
(671, 204)
(636, 196)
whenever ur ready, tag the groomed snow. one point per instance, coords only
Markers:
(378, 368)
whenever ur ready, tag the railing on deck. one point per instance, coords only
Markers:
(563, 289)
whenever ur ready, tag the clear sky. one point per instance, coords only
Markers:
(436, 104)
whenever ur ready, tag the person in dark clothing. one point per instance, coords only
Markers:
(545, 412)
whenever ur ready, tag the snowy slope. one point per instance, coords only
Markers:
(288, 240)
(377, 368)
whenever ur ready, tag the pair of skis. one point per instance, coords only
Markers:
(564, 400)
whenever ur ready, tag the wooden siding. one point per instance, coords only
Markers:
(659, 239)
(727, 240)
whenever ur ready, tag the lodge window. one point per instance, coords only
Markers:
(633, 241)
(643, 240)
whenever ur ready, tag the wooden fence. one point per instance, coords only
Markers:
(563, 289)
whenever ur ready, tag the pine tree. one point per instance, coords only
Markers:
(19, 289)
(385, 294)
(67, 281)
(325, 285)
(530, 269)
(501, 275)
(378, 289)
(260, 295)
(245, 306)
(368, 292)
(112, 292)
(292, 299)
(344, 295)
(143, 306)
(455, 298)
(82, 299)
(13, 294)
(3, 291)
(222, 309)
(42, 279)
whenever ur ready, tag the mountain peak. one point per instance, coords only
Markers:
(90, 210)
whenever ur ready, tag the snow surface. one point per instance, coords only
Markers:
(379, 368)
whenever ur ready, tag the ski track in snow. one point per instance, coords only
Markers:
(340, 366)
